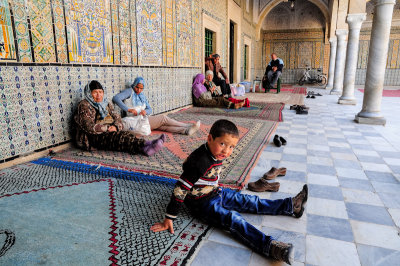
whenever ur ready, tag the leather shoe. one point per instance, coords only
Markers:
(274, 172)
(262, 185)
(277, 142)
(301, 111)
(283, 141)
(299, 201)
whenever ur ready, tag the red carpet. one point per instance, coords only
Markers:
(387, 93)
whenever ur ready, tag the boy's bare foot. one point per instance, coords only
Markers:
(299, 201)
(281, 251)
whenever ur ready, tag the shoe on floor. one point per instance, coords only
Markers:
(277, 142)
(301, 111)
(299, 201)
(274, 172)
(312, 96)
(281, 251)
(262, 185)
(283, 141)
(308, 96)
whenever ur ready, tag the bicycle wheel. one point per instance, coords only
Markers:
(301, 81)
(322, 81)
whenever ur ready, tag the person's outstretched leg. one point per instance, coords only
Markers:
(275, 77)
(237, 201)
(164, 123)
(215, 214)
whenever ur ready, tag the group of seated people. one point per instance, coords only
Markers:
(99, 126)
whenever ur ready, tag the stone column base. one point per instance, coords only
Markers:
(347, 101)
(370, 120)
(328, 87)
(335, 92)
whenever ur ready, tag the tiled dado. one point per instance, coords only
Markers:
(37, 102)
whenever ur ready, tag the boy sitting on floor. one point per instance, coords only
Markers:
(198, 189)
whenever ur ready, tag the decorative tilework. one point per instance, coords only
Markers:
(22, 31)
(169, 32)
(59, 26)
(37, 102)
(184, 33)
(124, 33)
(115, 30)
(149, 37)
(197, 43)
(89, 31)
(42, 31)
(7, 46)
(133, 31)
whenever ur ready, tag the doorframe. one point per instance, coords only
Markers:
(234, 15)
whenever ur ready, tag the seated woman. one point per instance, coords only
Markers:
(216, 92)
(210, 85)
(203, 98)
(99, 126)
(159, 122)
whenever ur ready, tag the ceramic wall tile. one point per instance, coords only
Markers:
(22, 31)
(149, 37)
(184, 32)
(89, 31)
(41, 22)
(7, 45)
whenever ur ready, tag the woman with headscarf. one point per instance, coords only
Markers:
(138, 105)
(99, 126)
(203, 98)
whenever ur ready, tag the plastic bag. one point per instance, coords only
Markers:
(139, 125)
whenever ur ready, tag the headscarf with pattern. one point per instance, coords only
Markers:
(101, 107)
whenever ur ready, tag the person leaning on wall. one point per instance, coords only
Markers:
(212, 63)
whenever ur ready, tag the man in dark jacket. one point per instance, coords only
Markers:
(212, 63)
(272, 72)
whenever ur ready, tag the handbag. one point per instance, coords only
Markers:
(139, 125)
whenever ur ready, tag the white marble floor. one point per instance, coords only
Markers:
(353, 172)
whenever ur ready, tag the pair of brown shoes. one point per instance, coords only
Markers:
(262, 184)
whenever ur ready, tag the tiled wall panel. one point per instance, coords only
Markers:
(22, 31)
(89, 31)
(37, 102)
(7, 46)
(59, 27)
(41, 21)
(149, 35)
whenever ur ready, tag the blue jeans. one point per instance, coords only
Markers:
(222, 211)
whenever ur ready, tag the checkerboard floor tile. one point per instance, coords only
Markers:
(353, 175)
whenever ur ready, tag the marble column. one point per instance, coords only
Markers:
(341, 35)
(332, 58)
(354, 21)
(378, 51)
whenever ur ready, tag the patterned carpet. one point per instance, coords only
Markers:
(254, 134)
(65, 213)
(257, 110)
(286, 97)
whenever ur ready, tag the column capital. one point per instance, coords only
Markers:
(341, 34)
(383, 2)
(332, 39)
(355, 20)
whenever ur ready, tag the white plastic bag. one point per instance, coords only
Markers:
(139, 125)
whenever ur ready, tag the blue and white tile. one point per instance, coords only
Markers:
(325, 251)
(369, 213)
(361, 196)
(395, 213)
(375, 256)
(329, 227)
(326, 207)
(351, 173)
(319, 179)
(376, 235)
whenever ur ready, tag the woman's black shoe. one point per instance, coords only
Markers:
(277, 142)
(283, 141)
